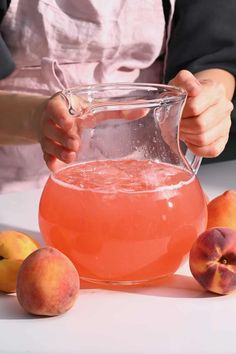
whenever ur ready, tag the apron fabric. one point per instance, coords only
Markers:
(57, 44)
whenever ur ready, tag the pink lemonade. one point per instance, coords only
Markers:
(123, 220)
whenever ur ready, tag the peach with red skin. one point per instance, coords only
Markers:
(47, 283)
(212, 260)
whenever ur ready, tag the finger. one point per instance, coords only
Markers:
(129, 114)
(53, 163)
(209, 95)
(212, 150)
(54, 149)
(50, 161)
(55, 133)
(208, 137)
(57, 111)
(187, 81)
(208, 119)
(91, 120)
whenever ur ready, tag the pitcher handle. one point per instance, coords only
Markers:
(67, 96)
(193, 160)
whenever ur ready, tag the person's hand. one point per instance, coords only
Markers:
(59, 132)
(206, 120)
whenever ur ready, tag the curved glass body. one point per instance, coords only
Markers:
(128, 210)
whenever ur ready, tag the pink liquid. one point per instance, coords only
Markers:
(124, 220)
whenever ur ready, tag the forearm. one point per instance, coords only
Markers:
(219, 76)
(202, 38)
(18, 117)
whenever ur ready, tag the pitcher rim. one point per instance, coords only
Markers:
(83, 89)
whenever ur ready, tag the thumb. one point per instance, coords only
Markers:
(187, 81)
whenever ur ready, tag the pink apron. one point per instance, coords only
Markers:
(64, 43)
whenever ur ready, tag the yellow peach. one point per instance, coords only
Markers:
(222, 210)
(15, 246)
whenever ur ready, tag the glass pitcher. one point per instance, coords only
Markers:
(128, 210)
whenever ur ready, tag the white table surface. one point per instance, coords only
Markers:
(176, 317)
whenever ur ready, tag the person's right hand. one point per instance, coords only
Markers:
(59, 131)
(59, 135)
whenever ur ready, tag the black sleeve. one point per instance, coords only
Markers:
(4, 4)
(203, 36)
(7, 64)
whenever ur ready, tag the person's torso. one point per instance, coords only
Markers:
(92, 41)
(62, 43)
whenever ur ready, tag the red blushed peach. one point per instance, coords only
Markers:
(47, 283)
(212, 260)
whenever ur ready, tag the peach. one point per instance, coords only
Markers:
(222, 210)
(212, 260)
(47, 283)
(14, 248)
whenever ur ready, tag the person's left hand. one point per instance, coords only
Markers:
(206, 120)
